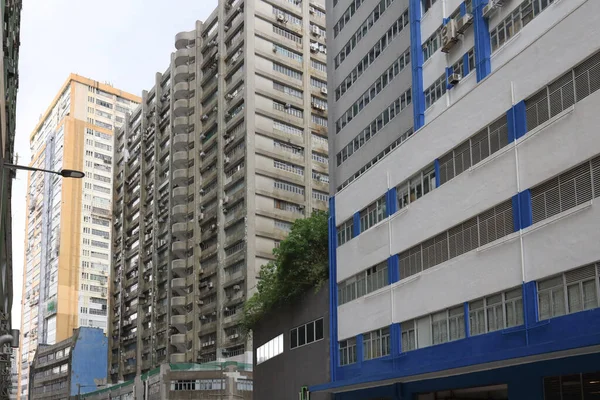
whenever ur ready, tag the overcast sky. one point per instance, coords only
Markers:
(124, 42)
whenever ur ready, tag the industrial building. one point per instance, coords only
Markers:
(464, 227)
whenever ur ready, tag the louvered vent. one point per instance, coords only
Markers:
(562, 94)
(537, 109)
(587, 77)
(581, 274)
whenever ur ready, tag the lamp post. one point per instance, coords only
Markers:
(65, 173)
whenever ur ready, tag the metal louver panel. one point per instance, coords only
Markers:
(587, 77)
(428, 254)
(598, 268)
(550, 283)
(462, 158)
(562, 94)
(446, 168)
(596, 176)
(581, 274)
(537, 109)
(441, 247)
(480, 146)
(545, 200)
(498, 134)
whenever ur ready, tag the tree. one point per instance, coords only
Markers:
(301, 263)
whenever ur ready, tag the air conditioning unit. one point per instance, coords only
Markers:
(204, 117)
(202, 191)
(212, 43)
(454, 79)
(200, 216)
(314, 47)
(225, 211)
(311, 10)
(210, 286)
(226, 160)
(234, 336)
(236, 287)
(213, 227)
(225, 199)
(324, 90)
(202, 136)
(315, 30)
(287, 106)
(202, 154)
(463, 23)
(449, 36)
(215, 109)
(281, 18)
(229, 96)
(491, 7)
(274, 49)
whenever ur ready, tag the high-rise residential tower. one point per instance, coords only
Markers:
(227, 150)
(68, 227)
(464, 222)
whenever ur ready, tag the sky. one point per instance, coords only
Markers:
(124, 42)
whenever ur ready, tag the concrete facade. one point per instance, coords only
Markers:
(283, 376)
(227, 150)
(67, 228)
(478, 205)
(10, 14)
(71, 367)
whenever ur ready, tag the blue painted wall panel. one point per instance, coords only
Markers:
(393, 269)
(416, 57)
(89, 359)
(483, 49)
(356, 224)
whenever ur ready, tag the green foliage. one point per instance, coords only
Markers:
(301, 263)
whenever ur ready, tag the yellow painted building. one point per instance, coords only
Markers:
(68, 225)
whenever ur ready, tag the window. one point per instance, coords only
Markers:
(570, 292)
(416, 187)
(479, 147)
(103, 103)
(432, 44)
(317, 83)
(463, 70)
(292, 73)
(319, 120)
(294, 169)
(362, 31)
(448, 325)
(103, 125)
(372, 55)
(376, 344)
(306, 334)
(318, 157)
(318, 102)
(288, 187)
(287, 34)
(344, 232)
(482, 229)
(282, 51)
(287, 89)
(319, 66)
(321, 196)
(495, 312)
(287, 206)
(272, 348)
(373, 214)
(409, 335)
(377, 87)
(345, 18)
(287, 148)
(363, 283)
(571, 188)
(375, 159)
(348, 351)
(290, 18)
(435, 92)
(319, 177)
(427, 5)
(288, 109)
(521, 16)
(572, 87)
(375, 126)
(283, 225)
(286, 128)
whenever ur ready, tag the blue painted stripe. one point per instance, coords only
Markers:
(356, 224)
(395, 339)
(436, 167)
(520, 119)
(483, 48)
(416, 53)
(516, 209)
(360, 355)
(510, 123)
(333, 301)
(463, 9)
(466, 67)
(391, 203)
(449, 71)
(393, 270)
(526, 211)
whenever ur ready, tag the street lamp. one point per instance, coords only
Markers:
(65, 173)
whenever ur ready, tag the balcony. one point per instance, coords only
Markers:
(181, 90)
(178, 321)
(178, 266)
(181, 142)
(181, 125)
(180, 194)
(178, 301)
(178, 283)
(184, 39)
(184, 56)
(180, 159)
(180, 248)
(180, 213)
(180, 177)
(178, 338)
(178, 358)
(182, 73)
(181, 108)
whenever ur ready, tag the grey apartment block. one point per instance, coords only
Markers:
(283, 375)
(227, 150)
